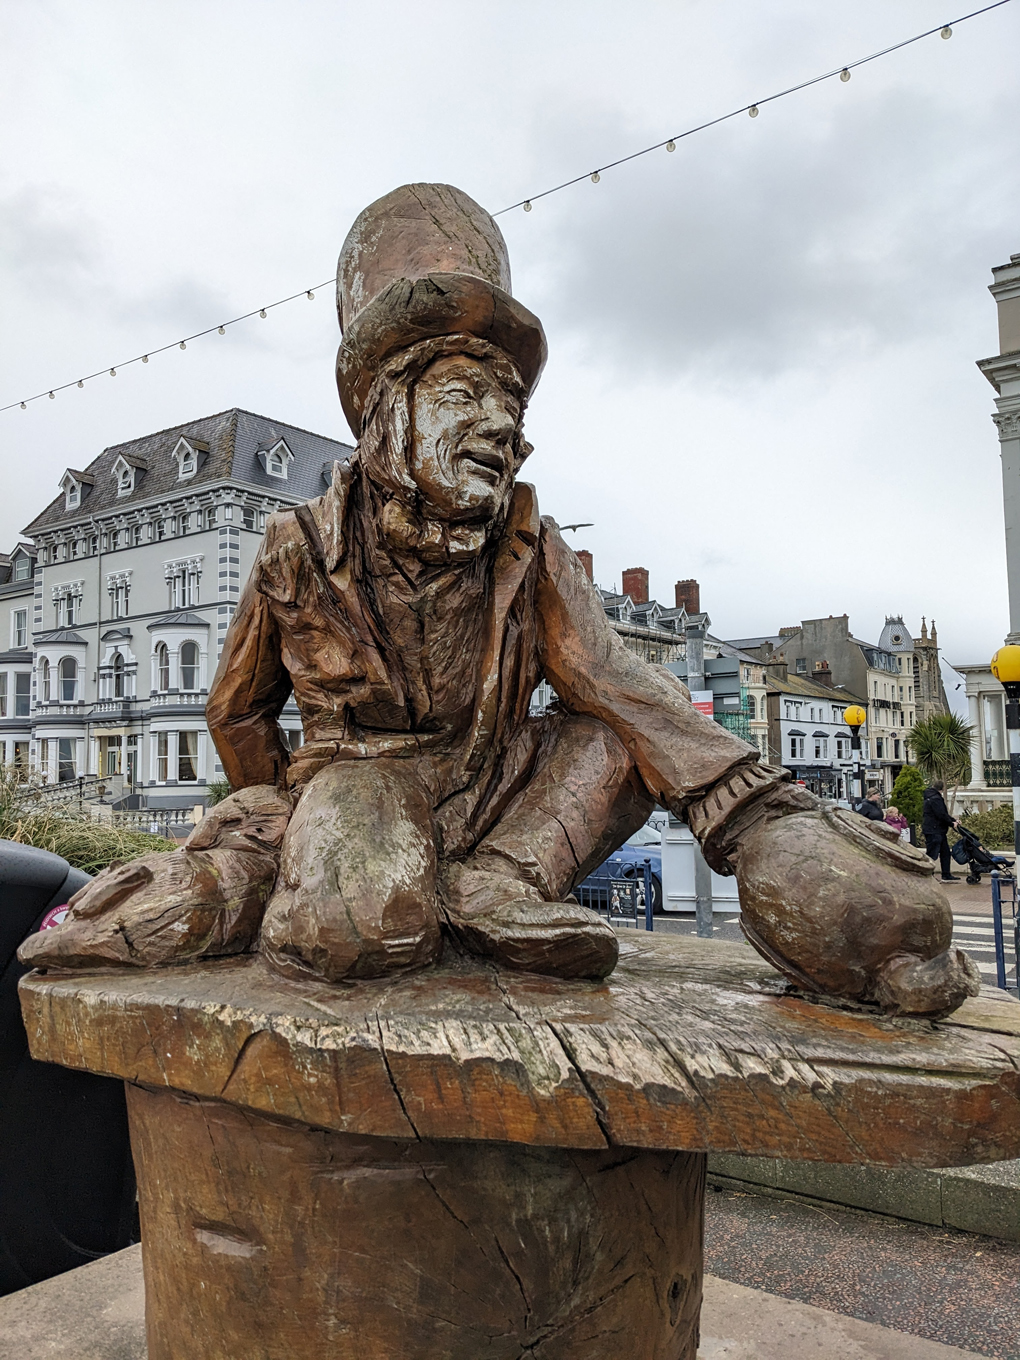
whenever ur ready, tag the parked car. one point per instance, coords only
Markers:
(629, 862)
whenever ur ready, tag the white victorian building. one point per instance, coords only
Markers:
(114, 616)
(990, 774)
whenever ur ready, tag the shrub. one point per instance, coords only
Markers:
(218, 790)
(995, 828)
(908, 793)
(66, 831)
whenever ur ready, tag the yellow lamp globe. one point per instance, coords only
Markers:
(1005, 665)
(855, 716)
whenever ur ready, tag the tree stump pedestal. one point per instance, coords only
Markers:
(472, 1164)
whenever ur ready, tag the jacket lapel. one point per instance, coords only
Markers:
(514, 556)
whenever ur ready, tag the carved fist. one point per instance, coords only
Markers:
(840, 907)
(204, 900)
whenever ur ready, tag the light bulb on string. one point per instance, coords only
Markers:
(24, 407)
(310, 296)
(182, 345)
(671, 146)
(80, 383)
(527, 205)
(947, 32)
(113, 372)
(222, 331)
(844, 75)
(752, 112)
(262, 313)
(51, 396)
(145, 358)
(595, 177)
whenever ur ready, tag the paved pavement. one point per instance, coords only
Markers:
(96, 1313)
(949, 1287)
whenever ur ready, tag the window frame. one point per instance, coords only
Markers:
(187, 756)
(64, 680)
(162, 656)
(195, 667)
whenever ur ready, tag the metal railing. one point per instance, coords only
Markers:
(1005, 925)
(997, 774)
(622, 901)
(67, 791)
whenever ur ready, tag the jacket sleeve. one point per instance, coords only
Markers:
(678, 751)
(248, 694)
(942, 812)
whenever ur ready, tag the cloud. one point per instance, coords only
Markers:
(50, 246)
(833, 235)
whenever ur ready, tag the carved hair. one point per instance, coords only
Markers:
(385, 445)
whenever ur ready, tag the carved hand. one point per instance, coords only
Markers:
(203, 900)
(842, 906)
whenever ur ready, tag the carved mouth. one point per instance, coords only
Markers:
(489, 459)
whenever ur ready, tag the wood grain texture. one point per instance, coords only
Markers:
(267, 1240)
(689, 1045)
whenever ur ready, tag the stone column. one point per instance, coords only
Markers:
(1003, 372)
(977, 741)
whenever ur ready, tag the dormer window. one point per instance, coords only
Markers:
(22, 567)
(188, 453)
(276, 460)
(74, 486)
(126, 474)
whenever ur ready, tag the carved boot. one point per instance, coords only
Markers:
(494, 911)
(204, 900)
(836, 902)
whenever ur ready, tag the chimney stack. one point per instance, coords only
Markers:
(635, 584)
(688, 596)
(586, 562)
(823, 675)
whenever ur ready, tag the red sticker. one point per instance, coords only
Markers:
(54, 917)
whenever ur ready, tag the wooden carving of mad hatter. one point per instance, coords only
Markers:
(412, 610)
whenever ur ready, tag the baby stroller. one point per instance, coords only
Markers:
(969, 850)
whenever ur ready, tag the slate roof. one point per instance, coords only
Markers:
(233, 438)
(810, 689)
(67, 635)
(183, 618)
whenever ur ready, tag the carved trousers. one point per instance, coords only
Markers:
(362, 857)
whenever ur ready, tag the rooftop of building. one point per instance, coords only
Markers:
(228, 444)
(801, 686)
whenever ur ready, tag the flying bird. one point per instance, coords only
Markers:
(565, 527)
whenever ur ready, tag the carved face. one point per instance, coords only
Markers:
(463, 425)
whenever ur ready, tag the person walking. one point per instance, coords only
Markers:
(871, 805)
(935, 823)
(895, 818)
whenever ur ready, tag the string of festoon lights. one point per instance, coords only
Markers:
(526, 204)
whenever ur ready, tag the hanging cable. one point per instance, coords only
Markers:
(843, 72)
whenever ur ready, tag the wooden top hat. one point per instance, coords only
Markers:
(425, 261)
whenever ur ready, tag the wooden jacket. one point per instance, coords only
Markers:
(304, 623)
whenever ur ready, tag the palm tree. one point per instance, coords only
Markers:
(940, 746)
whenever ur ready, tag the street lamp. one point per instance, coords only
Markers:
(1006, 669)
(855, 718)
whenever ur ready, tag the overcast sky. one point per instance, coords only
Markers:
(761, 347)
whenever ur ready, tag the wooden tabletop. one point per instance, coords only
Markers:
(690, 1044)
